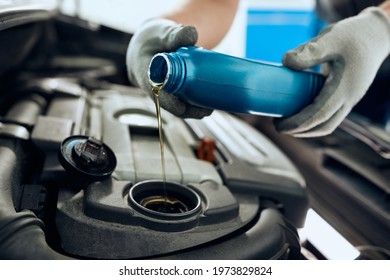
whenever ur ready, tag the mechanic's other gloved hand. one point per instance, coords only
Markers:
(352, 51)
(161, 35)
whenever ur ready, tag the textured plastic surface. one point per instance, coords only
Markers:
(218, 81)
(248, 171)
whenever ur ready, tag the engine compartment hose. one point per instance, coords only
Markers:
(22, 237)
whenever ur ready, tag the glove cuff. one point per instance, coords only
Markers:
(383, 23)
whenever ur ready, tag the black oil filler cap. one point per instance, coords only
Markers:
(87, 157)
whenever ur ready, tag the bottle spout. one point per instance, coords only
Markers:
(167, 70)
(159, 69)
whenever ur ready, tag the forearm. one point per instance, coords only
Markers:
(212, 18)
(386, 7)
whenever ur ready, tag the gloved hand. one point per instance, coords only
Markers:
(351, 51)
(161, 35)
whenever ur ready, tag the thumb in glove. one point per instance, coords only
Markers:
(351, 52)
(161, 35)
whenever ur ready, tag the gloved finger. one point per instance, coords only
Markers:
(309, 118)
(312, 116)
(196, 112)
(180, 36)
(323, 106)
(325, 69)
(290, 126)
(314, 52)
(327, 127)
(181, 109)
(171, 103)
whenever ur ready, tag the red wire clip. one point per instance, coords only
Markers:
(206, 149)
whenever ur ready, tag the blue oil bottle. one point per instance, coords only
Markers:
(218, 81)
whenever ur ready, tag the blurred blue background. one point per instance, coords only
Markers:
(272, 32)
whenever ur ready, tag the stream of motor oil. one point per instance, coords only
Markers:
(156, 90)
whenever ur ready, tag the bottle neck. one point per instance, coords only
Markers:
(167, 70)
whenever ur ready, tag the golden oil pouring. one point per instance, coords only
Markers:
(156, 90)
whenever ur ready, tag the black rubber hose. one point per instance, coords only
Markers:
(22, 238)
(23, 113)
(21, 234)
(10, 174)
(27, 110)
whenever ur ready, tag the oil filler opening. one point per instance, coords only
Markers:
(175, 202)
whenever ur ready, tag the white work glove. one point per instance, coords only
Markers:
(161, 35)
(351, 52)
